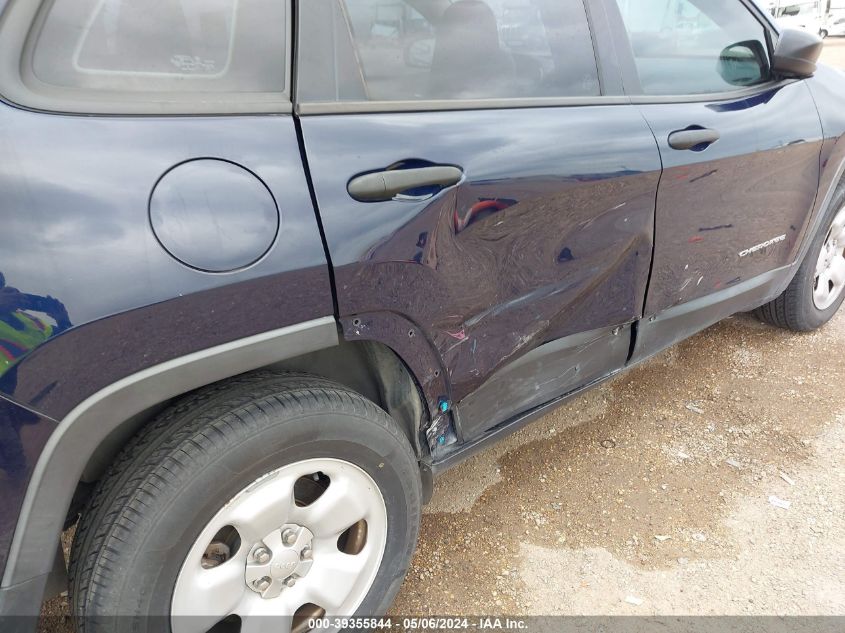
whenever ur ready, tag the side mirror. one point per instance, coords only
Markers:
(796, 54)
(744, 64)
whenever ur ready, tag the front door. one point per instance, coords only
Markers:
(740, 151)
(479, 189)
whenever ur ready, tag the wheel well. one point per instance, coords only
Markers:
(372, 369)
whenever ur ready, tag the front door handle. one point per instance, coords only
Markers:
(386, 185)
(696, 139)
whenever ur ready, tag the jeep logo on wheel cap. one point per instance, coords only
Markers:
(285, 564)
(285, 567)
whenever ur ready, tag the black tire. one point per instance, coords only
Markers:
(795, 309)
(181, 468)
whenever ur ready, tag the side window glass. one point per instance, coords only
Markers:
(157, 46)
(695, 46)
(462, 49)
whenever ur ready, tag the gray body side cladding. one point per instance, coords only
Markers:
(63, 459)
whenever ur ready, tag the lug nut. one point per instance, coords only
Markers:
(289, 537)
(262, 555)
(263, 583)
(290, 582)
(306, 553)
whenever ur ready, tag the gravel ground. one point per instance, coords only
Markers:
(834, 51)
(657, 488)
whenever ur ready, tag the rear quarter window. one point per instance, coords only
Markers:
(158, 52)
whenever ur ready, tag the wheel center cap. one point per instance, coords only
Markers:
(284, 564)
(279, 560)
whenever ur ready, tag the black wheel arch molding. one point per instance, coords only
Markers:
(74, 451)
(67, 451)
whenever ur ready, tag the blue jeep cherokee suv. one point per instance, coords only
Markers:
(269, 266)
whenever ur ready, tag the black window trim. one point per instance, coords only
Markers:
(604, 54)
(630, 76)
(21, 20)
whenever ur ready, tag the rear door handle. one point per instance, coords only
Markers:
(693, 138)
(386, 185)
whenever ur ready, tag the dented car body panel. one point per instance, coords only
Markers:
(562, 244)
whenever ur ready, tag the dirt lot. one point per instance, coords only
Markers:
(658, 487)
(834, 51)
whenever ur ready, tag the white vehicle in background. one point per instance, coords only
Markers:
(808, 16)
(836, 23)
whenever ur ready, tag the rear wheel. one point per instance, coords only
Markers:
(818, 288)
(250, 506)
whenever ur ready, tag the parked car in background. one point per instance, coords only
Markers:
(808, 16)
(822, 17)
(835, 26)
(270, 267)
